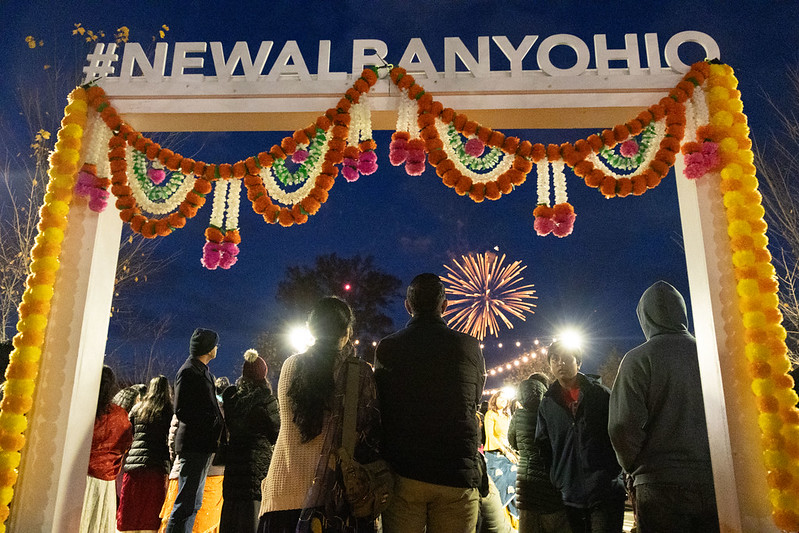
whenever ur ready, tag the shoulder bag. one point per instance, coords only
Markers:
(367, 487)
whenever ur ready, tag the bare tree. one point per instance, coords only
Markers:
(777, 161)
(357, 280)
(139, 365)
(610, 367)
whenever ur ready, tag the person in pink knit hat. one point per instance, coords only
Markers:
(252, 418)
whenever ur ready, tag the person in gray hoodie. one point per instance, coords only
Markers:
(657, 421)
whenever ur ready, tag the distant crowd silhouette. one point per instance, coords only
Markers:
(562, 455)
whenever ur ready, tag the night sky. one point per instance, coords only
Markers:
(591, 279)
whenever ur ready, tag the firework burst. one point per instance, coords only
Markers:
(482, 290)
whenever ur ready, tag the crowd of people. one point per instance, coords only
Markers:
(563, 456)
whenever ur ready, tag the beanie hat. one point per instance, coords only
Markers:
(254, 366)
(202, 342)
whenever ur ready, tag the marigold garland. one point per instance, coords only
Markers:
(757, 290)
(34, 310)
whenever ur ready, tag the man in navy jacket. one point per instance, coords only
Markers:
(430, 381)
(572, 434)
(200, 426)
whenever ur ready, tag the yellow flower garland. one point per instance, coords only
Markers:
(758, 302)
(35, 307)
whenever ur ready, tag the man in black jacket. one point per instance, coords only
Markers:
(572, 435)
(430, 381)
(199, 429)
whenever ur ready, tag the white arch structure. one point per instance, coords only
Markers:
(48, 496)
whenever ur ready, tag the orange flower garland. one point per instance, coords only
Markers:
(671, 108)
(757, 290)
(35, 307)
(248, 170)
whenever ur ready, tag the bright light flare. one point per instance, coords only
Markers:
(300, 338)
(571, 338)
(509, 392)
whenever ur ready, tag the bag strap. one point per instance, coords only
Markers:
(350, 406)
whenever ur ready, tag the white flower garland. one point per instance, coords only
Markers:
(361, 122)
(654, 146)
(97, 144)
(502, 166)
(696, 114)
(559, 182)
(406, 114)
(542, 170)
(157, 208)
(233, 203)
(220, 198)
(276, 193)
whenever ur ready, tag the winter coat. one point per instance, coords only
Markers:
(577, 448)
(534, 490)
(110, 440)
(657, 413)
(430, 381)
(149, 448)
(253, 422)
(201, 421)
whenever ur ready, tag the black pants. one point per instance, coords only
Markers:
(673, 507)
(604, 517)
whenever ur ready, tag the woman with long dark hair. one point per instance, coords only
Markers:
(253, 422)
(110, 440)
(147, 464)
(302, 486)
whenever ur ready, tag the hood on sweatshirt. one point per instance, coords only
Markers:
(662, 310)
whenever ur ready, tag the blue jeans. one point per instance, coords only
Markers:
(191, 482)
(673, 507)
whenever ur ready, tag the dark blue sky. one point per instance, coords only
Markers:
(592, 278)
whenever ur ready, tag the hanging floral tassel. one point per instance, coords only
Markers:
(359, 155)
(92, 187)
(562, 212)
(700, 159)
(405, 148)
(88, 184)
(221, 249)
(559, 219)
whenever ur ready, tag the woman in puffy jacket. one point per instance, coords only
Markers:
(147, 465)
(540, 506)
(252, 418)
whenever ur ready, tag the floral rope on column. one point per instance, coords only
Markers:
(34, 310)
(757, 290)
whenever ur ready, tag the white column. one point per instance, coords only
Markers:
(738, 471)
(49, 494)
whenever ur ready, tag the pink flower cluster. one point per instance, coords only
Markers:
(219, 254)
(300, 156)
(629, 148)
(88, 185)
(156, 175)
(700, 163)
(411, 153)
(559, 221)
(475, 147)
(366, 164)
